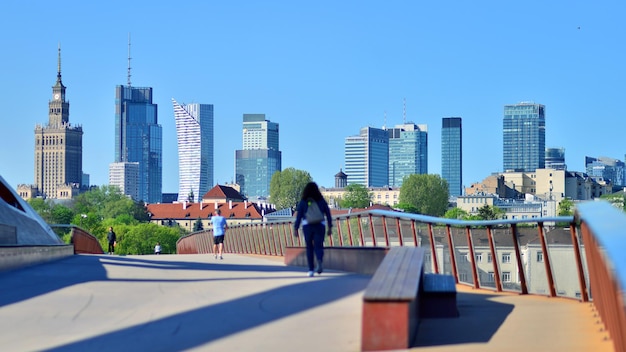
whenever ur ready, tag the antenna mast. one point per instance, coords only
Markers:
(404, 111)
(129, 59)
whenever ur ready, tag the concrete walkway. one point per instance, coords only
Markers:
(248, 303)
(178, 302)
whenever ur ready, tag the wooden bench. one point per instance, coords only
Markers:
(438, 296)
(390, 302)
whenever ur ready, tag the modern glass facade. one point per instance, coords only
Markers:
(555, 159)
(408, 152)
(608, 169)
(260, 157)
(138, 138)
(366, 157)
(254, 170)
(452, 154)
(524, 137)
(194, 132)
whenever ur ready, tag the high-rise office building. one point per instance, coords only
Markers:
(408, 152)
(125, 175)
(58, 146)
(524, 137)
(194, 132)
(555, 159)
(138, 138)
(608, 169)
(366, 157)
(452, 154)
(260, 157)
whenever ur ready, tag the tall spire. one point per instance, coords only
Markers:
(59, 66)
(129, 59)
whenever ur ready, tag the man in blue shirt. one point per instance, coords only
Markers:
(219, 230)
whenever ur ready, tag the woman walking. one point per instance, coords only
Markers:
(313, 227)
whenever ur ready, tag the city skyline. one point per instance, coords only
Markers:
(321, 71)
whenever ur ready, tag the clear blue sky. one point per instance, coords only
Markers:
(322, 70)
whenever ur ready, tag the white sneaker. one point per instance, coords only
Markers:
(310, 273)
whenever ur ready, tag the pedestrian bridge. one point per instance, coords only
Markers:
(544, 288)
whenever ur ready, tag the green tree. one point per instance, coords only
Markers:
(107, 202)
(356, 196)
(488, 212)
(456, 213)
(566, 207)
(427, 194)
(141, 238)
(286, 187)
(61, 214)
(197, 226)
(43, 207)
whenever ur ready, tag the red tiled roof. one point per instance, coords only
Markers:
(239, 210)
(222, 192)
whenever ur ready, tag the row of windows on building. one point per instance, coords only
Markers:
(506, 257)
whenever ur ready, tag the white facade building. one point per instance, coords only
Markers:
(194, 133)
(125, 175)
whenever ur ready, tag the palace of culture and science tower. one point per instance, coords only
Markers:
(58, 151)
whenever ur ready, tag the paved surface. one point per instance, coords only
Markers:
(178, 302)
(247, 303)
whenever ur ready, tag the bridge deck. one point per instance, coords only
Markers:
(246, 303)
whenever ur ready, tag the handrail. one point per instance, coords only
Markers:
(603, 228)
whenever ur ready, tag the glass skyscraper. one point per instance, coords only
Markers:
(194, 132)
(408, 152)
(138, 138)
(524, 137)
(452, 154)
(260, 157)
(367, 157)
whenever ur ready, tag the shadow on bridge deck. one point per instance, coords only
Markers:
(246, 303)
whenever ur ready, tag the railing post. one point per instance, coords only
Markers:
(584, 295)
(518, 257)
(399, 229)
(349, 230)
(384, 221)
(372, 229)
(546, 259)
(451, 251)
(339, 234)
(433, 249)
(414, 232)
(496, 268)
(470, 245)
(361, 237)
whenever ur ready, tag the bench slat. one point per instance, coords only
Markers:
(396, 278)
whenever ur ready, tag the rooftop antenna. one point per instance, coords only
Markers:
(128, 59)
(404, 111)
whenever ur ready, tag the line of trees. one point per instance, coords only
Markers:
(102, 207)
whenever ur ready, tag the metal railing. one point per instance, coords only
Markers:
(563, 256)
(513, 255)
